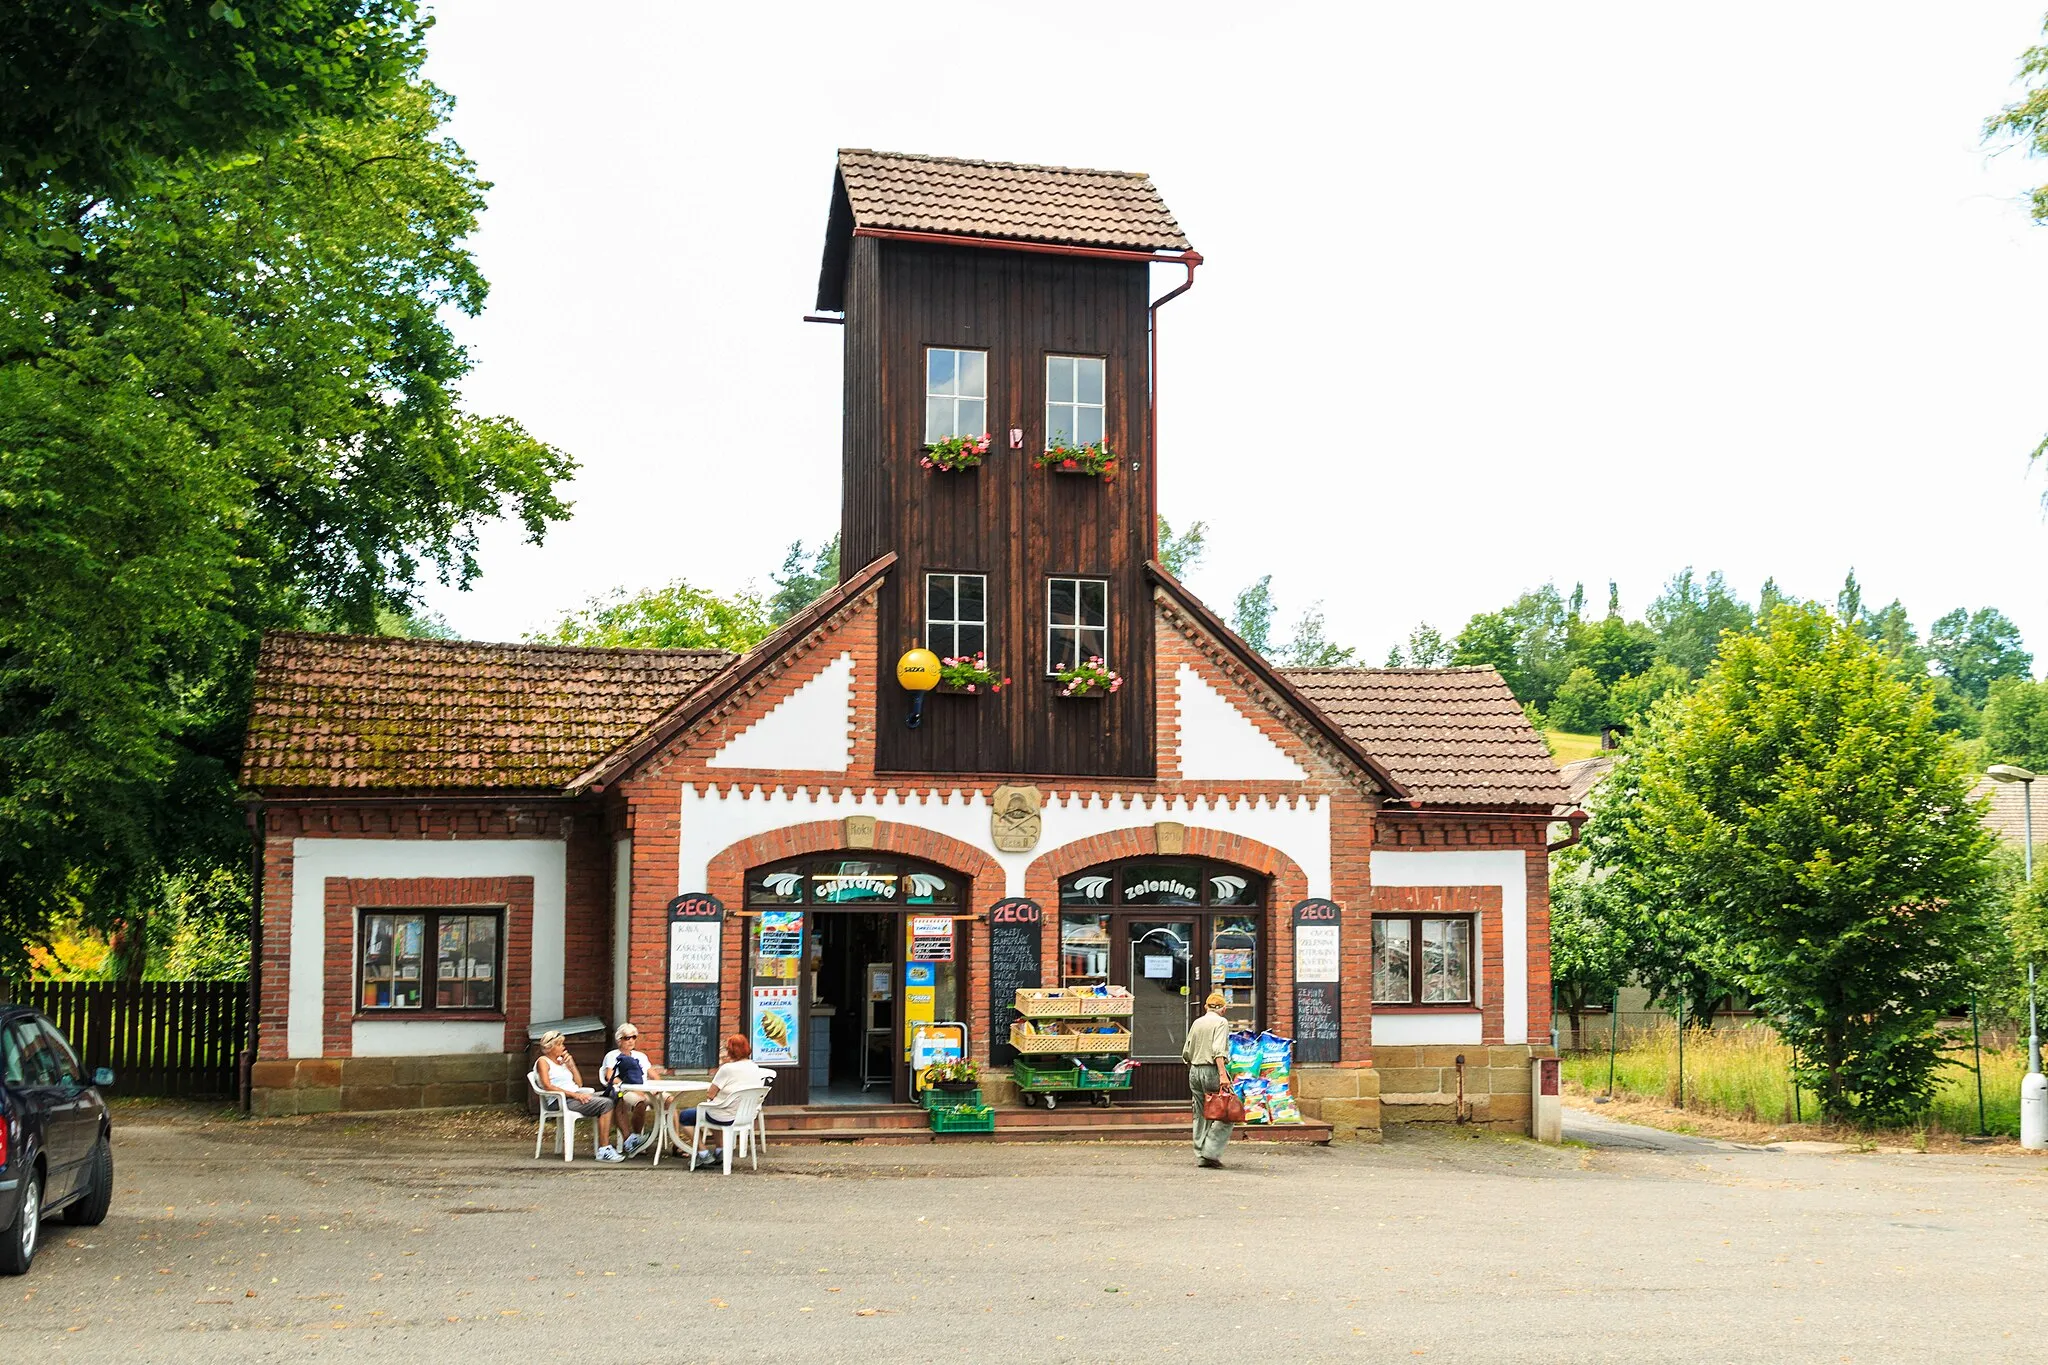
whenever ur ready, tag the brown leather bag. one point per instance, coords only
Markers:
(1223, 1106)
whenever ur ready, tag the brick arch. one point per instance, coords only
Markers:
(1290, 884)
(726, 877)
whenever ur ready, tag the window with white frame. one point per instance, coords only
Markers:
(1073, 400)
(955, 393)
(1076, 621)
(956, 614)
(1422, 960)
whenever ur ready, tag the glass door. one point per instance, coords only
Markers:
(1162, 955)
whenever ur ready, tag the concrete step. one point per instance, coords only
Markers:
(1031, 1125)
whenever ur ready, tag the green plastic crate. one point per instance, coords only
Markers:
(977, 1118)
(949, 1099)
(1043, 1077)
(1091, 1079)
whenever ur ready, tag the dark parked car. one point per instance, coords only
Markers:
(56, 1142)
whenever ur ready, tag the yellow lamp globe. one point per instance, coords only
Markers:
(918, 673)
(918, 670)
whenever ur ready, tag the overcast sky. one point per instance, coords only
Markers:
(1496, 293)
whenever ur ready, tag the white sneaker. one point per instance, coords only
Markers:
(634, 1142)
(609, 1154)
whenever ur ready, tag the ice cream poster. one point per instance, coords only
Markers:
(775, 1025)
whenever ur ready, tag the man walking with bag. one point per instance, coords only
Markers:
(1206, 1048)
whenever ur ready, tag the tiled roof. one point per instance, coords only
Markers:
(1453, 736)
(376, 713)
(998, 199)
(2006, 817)
(1582, 775)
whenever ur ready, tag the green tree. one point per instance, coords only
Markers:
(1801, 810)
(228, 400)
(1976, 649)
(676, 616)
(1311, 647)
(1629, 700)
(1689, 617)
(1251, 616)
(1526, 641)
(1180, 553)
(804, 578)
(2016, 723)
(102, 94)
(1589, 946)
(1611, 648)
(2026, 122)
(1427, 648)
(1580, 706)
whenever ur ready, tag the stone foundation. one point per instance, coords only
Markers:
(328, 1085)
(1345, 1097)
(1420, 1084)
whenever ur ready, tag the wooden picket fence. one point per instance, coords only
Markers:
(160, 1037)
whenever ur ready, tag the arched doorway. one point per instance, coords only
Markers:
(845, 952)
(1172, 930)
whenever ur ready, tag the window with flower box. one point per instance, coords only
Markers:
(1422, 960)
(956, 614)
(1076, 621)
(421, 961)
(1074, 387)
(955, 393)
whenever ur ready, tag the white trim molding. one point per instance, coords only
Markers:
(1459, 867)
(715, 818)
(315, 860)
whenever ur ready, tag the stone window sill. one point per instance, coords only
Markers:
(430, 1016)
(1426, 1009)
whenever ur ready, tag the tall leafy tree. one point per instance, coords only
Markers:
(1251, 616)
(1800, 808)
(1689, 617)
(2016, 723)
(1180, 552)
(228, 400)
(2025, 122)
(100, 94)
(674, 616)
(1974, 649)
(805, 577)
(1311, 647)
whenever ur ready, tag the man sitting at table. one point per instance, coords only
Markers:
(627, 1065)
(738, 1071)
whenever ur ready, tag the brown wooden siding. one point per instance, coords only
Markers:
(1009, 519)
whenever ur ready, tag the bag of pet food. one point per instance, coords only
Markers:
(1280, 1105)
(1276, 1055)
(1257, 1099)
(1243, 1057)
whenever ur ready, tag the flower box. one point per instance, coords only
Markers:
(1094, 461)
(969, 675)
(1090, 679)
(956, 454)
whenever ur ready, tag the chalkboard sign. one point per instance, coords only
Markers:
(695, 923)
(1318, 982)
(1014, 932)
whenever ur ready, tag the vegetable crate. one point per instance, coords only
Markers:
(1072, 1036)
(949, 1099)
(966, 1118)
(1058, 1004)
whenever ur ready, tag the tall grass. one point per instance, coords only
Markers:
(1746, 1073)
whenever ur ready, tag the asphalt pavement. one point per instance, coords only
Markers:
(370, 1241)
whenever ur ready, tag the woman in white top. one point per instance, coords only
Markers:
(737, 1071)
(558, 1075)
(627, 1065)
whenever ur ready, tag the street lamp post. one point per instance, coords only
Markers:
(2034, 1088)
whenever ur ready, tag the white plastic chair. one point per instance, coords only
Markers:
(740, 1132)
(552, 1107)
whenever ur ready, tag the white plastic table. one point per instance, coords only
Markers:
(663, 1093)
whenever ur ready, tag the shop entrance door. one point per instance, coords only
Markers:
(1164, 962)
(851, 1008)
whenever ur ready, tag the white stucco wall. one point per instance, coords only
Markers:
(315, 860)
(1218, 744)
(1396, 1030)
(810, 730)
(715, 818)
(424, 1037)
(1507, 870)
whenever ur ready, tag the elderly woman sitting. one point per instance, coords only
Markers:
(558, 1076)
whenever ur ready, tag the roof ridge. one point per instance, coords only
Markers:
(1438, 671)
(994, 165)
(338, 635)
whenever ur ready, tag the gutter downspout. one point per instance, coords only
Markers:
(1190, 259)
(1577, 820)
(247, 1062)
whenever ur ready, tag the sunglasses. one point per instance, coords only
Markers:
(624, 1036)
